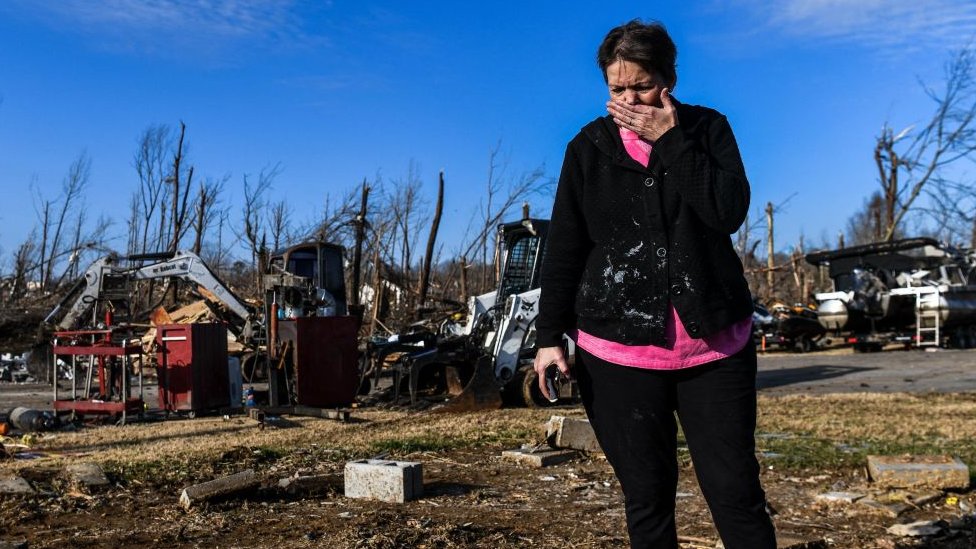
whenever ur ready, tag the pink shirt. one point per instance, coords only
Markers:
(680, 349)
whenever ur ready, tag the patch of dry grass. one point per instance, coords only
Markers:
(370, 432)
(951, 417)
(839, 430)
(800, 431)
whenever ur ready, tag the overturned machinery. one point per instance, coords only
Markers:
(486, 360)
(914, 291)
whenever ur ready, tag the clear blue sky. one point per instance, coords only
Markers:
(336, 91)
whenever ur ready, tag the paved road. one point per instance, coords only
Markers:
(842, 371)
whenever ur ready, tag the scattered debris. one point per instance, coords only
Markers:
(917, 529)
(919, 471)
(786, 542)
(224, 486)
(308, 485)
(29, 420)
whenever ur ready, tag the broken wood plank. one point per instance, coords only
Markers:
(220, 487)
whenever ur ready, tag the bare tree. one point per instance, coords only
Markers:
(910, 160)
(207, 209)
(280, 224)
(868, 224)
(151, 163)
(409, 212)
(502, 193)
(23, 268)
(54, 216)
(181, 178)
(255, 204)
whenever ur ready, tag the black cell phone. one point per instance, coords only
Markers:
(552, 378)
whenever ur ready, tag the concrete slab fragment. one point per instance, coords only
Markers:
(922, 471)
(87, 475)
(839, 497)
(384, 480)
(918, 529)
(13, 485)
(890, 509)
(540, 458)
(574, 433)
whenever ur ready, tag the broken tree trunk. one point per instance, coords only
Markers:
(770, 260)
(431, 240)
(357, 260)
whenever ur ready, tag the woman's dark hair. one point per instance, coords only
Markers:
(647, 44)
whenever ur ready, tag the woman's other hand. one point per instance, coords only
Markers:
(648, 121)
(543, 358)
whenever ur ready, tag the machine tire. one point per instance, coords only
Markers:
(523, 390)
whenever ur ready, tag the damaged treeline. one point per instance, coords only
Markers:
(926, 188)
(398, 270)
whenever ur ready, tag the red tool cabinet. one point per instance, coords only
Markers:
(192, 367)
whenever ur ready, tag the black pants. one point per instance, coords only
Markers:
(632, 411)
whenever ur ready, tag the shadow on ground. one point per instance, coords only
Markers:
(767, 379)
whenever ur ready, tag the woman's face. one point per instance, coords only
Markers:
(629, 83)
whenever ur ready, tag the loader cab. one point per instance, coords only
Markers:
(319, 262)
(522, 245)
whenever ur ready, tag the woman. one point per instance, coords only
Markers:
(640, 271)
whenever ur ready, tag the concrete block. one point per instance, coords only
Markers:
(384, 480)
(539, 458)
(937, 472)
(575, 433)
(15, 485)
(87, 475)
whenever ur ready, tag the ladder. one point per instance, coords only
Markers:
(928, 316)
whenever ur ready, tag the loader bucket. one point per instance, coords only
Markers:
(480, 393)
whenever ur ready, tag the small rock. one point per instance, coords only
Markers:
(15, 485)
(917, 529)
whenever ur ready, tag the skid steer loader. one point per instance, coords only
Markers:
(487, 361)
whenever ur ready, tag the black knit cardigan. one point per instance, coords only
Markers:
(625, 239)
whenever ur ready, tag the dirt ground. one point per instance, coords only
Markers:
(808, 444)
